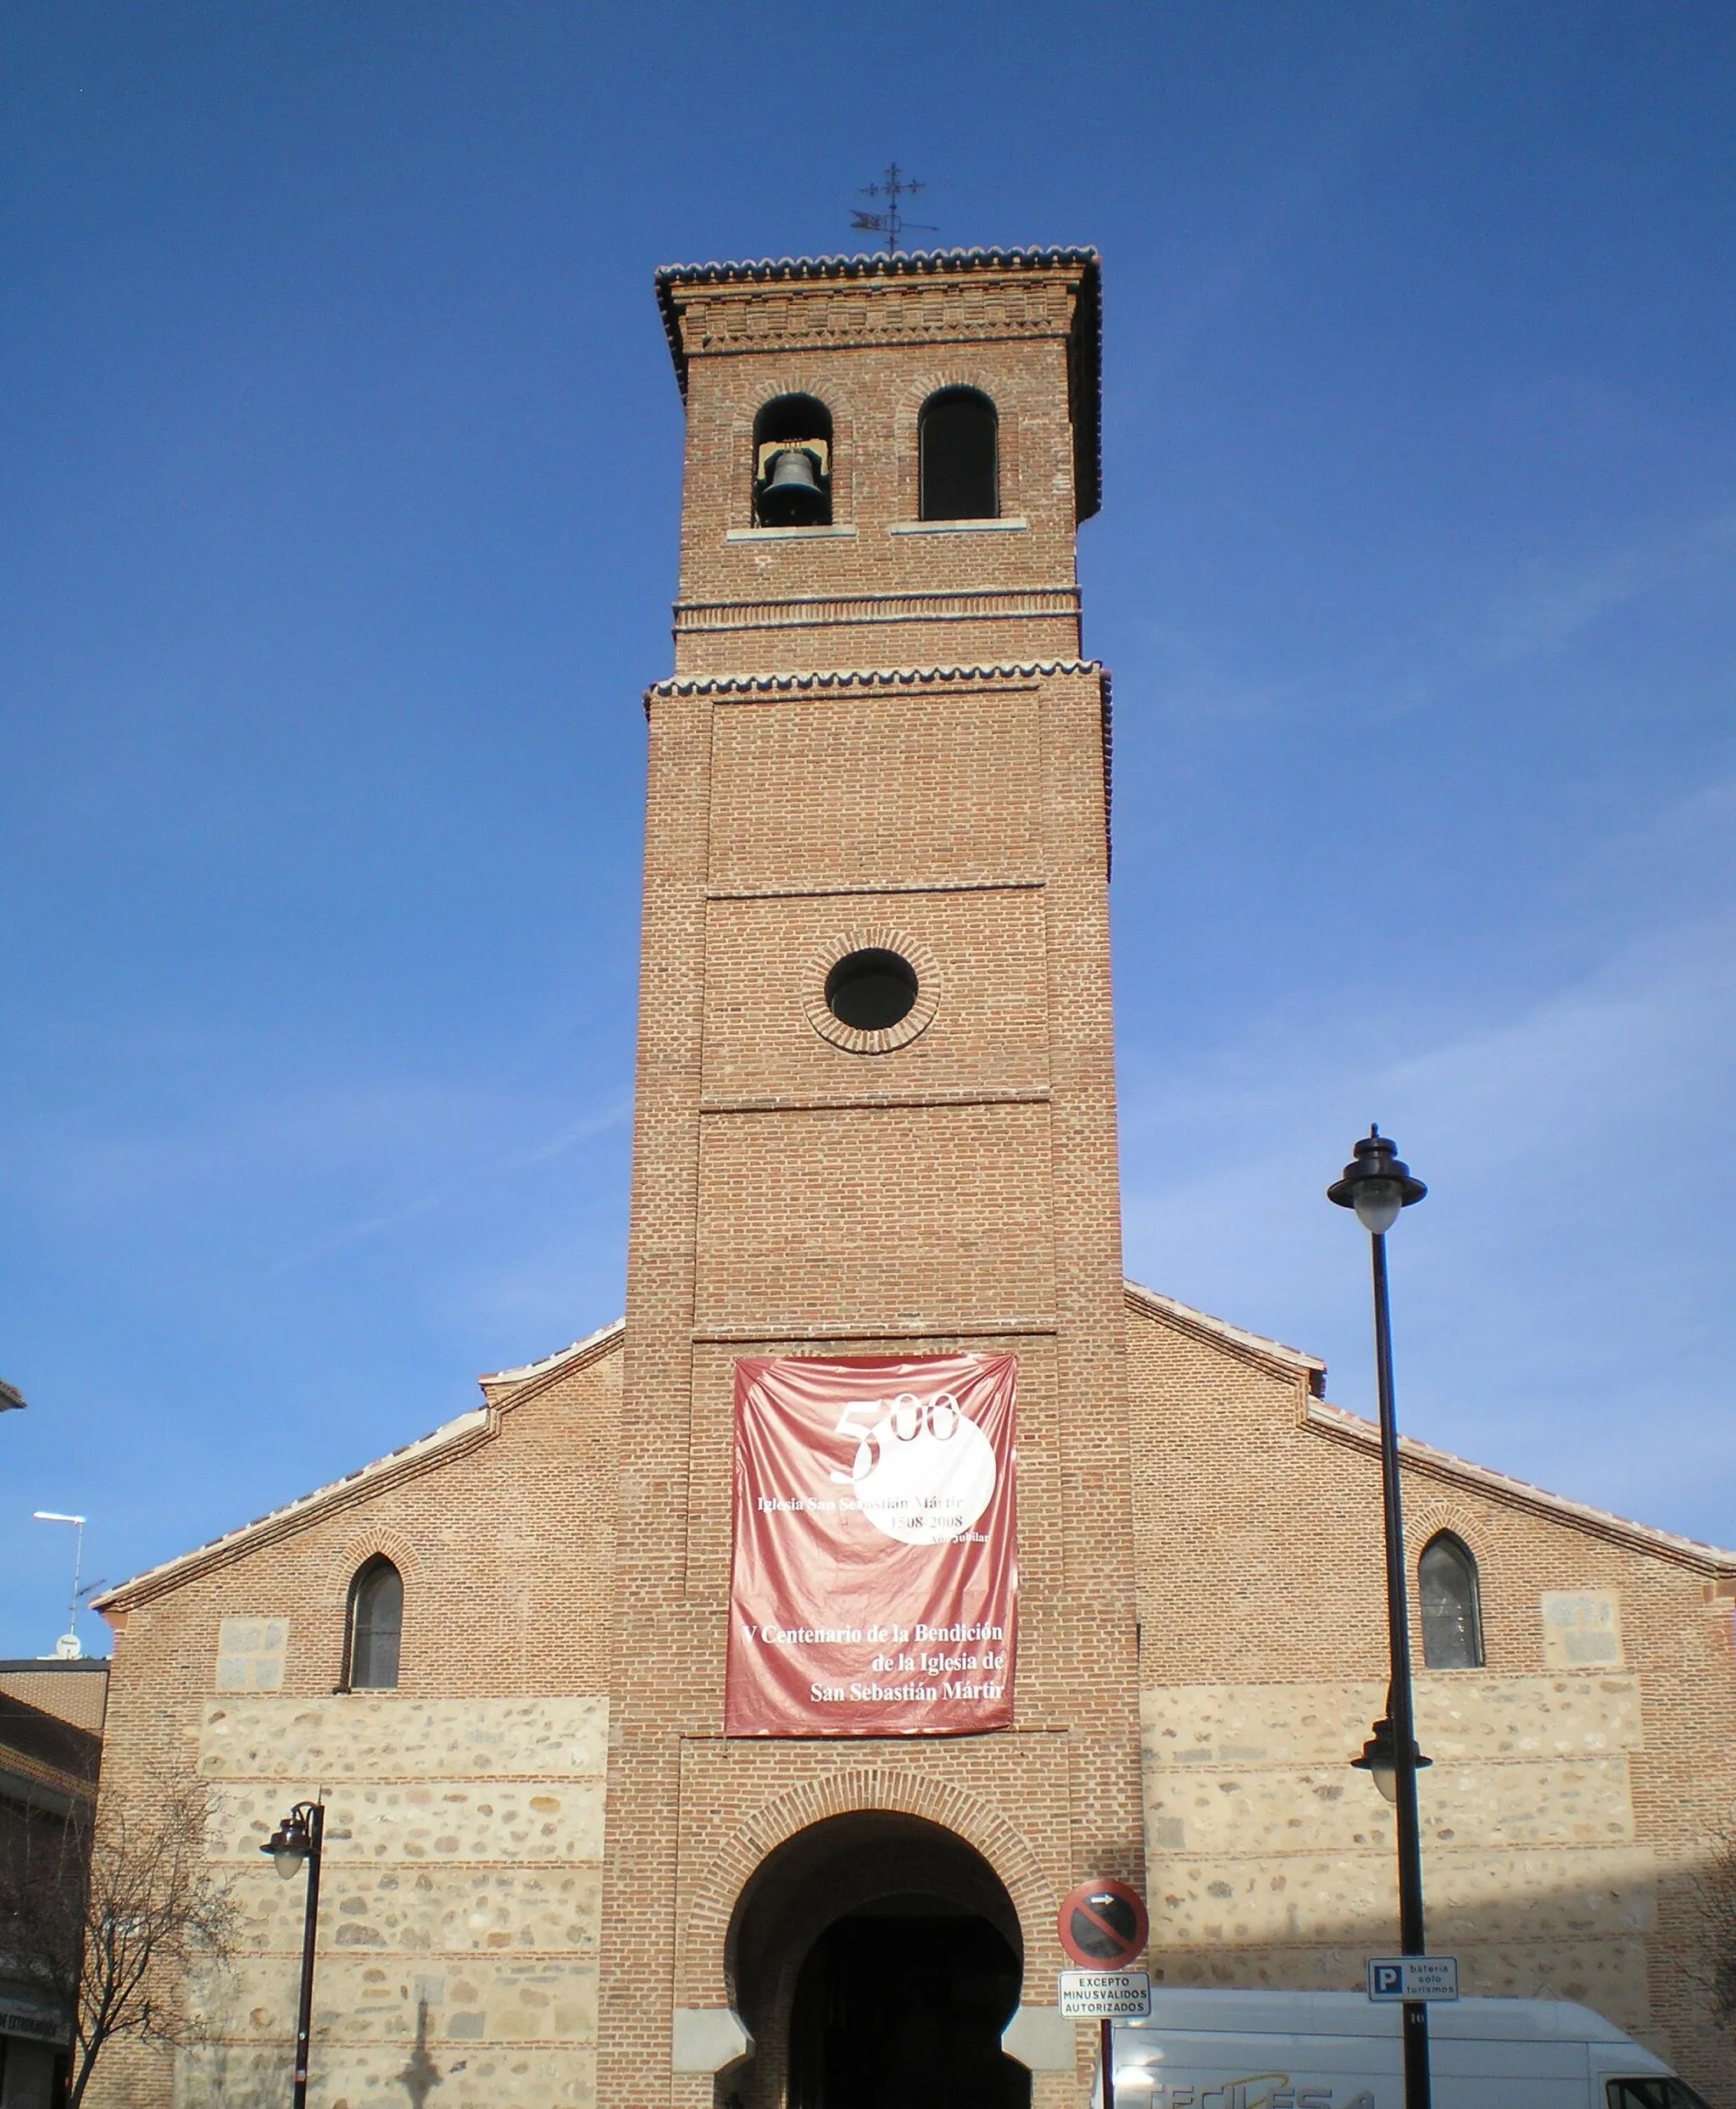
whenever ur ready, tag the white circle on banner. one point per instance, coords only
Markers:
(926, 1473)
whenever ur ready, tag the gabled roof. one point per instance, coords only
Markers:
(546, 1365)
(388, 1470)
(1255, 1346)
(452, 1439)
(39, 1749)
(1086, 354)
(506, 1388)
(1334, 1422)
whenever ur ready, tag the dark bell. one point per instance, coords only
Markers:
(791, 496)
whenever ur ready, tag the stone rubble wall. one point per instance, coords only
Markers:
(375, 1735)
(458, 1901)
(1271, 1861)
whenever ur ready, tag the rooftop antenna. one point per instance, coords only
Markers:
(67, 1647)
(892, 185)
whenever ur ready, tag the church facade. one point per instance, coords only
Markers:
(876, 1135)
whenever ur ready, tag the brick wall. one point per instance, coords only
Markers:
(1563, 1816)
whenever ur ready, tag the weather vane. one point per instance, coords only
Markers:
(892, 223)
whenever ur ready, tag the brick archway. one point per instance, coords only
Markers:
(702, 1962)
(832, 1947)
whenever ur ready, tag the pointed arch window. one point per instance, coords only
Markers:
(376, 1627)
(958, 440)
(1452, 1617)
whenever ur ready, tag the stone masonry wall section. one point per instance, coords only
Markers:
(464, 1846)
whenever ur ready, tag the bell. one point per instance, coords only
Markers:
(791, 496)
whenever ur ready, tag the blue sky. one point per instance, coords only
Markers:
(336, 540)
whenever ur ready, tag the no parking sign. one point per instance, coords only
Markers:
(1102, 1924)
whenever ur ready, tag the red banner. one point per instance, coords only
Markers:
(874, 1585)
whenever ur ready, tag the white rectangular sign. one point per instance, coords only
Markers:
(1095, 1994)
(1414, 1978)
(21, 2017)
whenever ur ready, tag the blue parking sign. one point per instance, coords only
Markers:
(1413, 1977)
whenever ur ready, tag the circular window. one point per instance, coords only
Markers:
(871, 990)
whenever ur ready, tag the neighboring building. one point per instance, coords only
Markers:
(876, 1119)
(51, 1744)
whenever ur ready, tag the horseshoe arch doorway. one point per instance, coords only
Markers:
(874, 1958)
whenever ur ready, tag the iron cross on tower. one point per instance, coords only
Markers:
(892, 223)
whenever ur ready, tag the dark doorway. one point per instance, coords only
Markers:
(874, 1958)
(900, 2006)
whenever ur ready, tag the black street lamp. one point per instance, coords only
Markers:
(1376, 1185)
(297, 1839)
(1380, 1755)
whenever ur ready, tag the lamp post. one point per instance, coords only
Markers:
(1376, 1186)
(297, 1839)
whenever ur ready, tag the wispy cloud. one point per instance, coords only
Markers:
(1538, 606)
(315, 1170)
(460, 1189)
(1562, 1306)
(1556, 598)
(216, 1138)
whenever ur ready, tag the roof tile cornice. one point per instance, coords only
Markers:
(546, 1365)
(26, 1773)
(907, 263)
(878, 263)
(861, 677)
(1275, 1354)
(1085, 358)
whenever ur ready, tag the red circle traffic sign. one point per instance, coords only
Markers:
(1102, 1924)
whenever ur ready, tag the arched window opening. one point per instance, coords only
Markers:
(1452, 1619)
(957, 442)
(376, 1627)
(793, 463)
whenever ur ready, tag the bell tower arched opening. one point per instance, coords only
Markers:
(875, 1958)
(793, 463)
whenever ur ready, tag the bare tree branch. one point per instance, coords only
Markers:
(105, 1919)
(1714, 1969)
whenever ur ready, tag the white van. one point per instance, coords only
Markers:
(1340, 2050)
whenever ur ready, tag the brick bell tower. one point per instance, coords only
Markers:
(877, 791)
